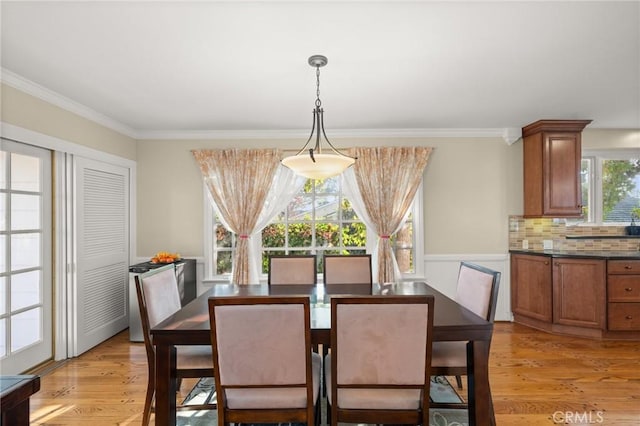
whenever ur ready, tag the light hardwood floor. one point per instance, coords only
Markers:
(536, 379)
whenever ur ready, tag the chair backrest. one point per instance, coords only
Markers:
(158, 298)
(292, 269)
(348, 269)
(381, 341)
(477, 289)
(262, 343)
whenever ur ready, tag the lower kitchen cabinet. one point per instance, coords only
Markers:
(579, 293)
(581, 296)
(623, 295)
(531, 289)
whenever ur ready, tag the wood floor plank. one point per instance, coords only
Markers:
(536, 379)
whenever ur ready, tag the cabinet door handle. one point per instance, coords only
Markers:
(628, 317)
(628, 267)
(628, 289)
(546, 262)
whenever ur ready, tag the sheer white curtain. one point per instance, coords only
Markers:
(285, 186)
(381, 187)
(248, 187)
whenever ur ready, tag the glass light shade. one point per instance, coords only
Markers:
(325, 166)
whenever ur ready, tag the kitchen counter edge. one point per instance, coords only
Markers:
(599, 254)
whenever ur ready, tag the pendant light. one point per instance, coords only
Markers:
(313, 163)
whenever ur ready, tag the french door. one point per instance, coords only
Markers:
(25, 257)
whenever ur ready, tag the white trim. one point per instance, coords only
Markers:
(335, 133)
(20, 134)
(62, 229)
(18, 82)
(465, 257)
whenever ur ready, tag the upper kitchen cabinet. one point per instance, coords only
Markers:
(552, 156)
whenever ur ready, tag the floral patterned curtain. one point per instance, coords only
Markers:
(239, 181)
(387, 179)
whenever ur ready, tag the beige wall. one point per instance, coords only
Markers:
(471, 187)
(608, 139)
(29, 112)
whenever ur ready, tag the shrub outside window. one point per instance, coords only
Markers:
(319, 220)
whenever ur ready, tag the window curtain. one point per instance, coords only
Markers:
(381, 187)
(248, 188)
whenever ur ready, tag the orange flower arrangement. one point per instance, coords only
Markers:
(165, 257)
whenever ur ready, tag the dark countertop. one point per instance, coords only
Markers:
(599, 254)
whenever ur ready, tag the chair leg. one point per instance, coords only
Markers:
(459, 382)
(148, 401)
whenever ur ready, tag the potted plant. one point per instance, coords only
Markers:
(633, 229)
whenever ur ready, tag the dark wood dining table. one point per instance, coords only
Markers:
(452, 322)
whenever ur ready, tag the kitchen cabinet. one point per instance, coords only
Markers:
(552, 153)
(531, 288)
(576, 293)
(579, 296)
(623, 295)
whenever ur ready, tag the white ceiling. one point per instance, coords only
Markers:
(150, 69)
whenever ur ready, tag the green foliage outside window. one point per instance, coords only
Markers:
(617, 182)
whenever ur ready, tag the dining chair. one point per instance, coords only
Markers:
(378, 371)
(347, 269)
(292, 269)
(477, 290)
(158, 298)
(265, 370)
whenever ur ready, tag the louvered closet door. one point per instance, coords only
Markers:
(101, 252)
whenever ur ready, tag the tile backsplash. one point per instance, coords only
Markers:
(536, 231)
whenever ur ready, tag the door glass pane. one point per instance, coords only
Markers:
(3, 211)
(3, 253)
(3, 167)
(25, 329)
(25, 173)
(3, 295)
(25, 290)
(25, 251)
(25, 212)
(3, 337)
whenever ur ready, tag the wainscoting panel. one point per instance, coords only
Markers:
(441, 272)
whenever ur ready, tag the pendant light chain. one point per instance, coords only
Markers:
(318, 101)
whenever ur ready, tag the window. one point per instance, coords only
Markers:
(610, 186)
(319, 220)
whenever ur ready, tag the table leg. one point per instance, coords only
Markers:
(165, 405)
(480, 401)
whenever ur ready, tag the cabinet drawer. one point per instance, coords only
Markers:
(623, 267)
(623, 288)
(624, 316)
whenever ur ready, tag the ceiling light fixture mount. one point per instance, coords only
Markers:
(316, 164)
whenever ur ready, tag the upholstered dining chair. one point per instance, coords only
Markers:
(292, 269)
(477, 290)
(265, 370)
(347, 269)
(158, 298)
(378, 370)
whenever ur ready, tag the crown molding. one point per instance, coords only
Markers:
(18, 82)
(506, 134)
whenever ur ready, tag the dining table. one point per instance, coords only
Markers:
(452, 322)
